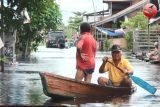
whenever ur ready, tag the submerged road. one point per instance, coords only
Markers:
(21, 85)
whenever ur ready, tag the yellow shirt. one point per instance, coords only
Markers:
(115, 75)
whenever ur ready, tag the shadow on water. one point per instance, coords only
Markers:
(152, 98)
(28, 60)
(89, 102)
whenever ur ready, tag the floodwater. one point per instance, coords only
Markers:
(21, 85)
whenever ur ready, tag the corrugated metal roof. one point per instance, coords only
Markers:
(122, 13)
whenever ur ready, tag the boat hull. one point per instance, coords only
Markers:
(59, 87)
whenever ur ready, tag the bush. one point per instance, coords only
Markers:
(107, 44)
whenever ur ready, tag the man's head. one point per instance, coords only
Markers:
(116, 48)
(85, 27)
(116, 52)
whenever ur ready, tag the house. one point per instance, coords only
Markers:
(118, 10)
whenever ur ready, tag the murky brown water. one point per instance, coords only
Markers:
(21, 84)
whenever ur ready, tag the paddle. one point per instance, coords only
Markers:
(139, 81)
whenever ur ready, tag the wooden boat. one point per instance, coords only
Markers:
(60, 87)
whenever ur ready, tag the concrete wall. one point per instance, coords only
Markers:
(120, 41)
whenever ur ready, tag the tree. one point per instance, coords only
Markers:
(139, 21)
(75, 21)
(44, 14)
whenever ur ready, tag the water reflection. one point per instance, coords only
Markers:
(90, 102)
(21, 84)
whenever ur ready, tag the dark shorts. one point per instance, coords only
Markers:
(88, 71)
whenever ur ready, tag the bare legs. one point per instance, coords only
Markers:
(103, 81)
(126, 82)
(80, 75)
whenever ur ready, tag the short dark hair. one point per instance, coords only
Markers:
(85, 27)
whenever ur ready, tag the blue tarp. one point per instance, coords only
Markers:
(110, 32)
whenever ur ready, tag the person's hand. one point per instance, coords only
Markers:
(105, 59)
(84, 57)
(125, 71)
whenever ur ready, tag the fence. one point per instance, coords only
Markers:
(143, 41)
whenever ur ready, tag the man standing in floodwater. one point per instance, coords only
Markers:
(86, 51)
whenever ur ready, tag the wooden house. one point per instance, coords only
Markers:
(118, 10)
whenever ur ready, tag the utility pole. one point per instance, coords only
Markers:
(2, 36)
(148, 36)
(94, 10)
(94, 25)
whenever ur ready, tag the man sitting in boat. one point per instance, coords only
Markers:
(154, 55)
(116, 76)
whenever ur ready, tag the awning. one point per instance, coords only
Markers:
(110, 32)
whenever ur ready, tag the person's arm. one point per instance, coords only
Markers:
(102, 67)
(83, 56)
(79, 52)
(79, 46)
(128, 69)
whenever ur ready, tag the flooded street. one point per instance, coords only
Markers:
(21, 84)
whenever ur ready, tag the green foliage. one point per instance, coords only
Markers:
(129, 39)
(139, 21)
(107, 44)
(44, 14)
(67, 30)
(3, 58)
(75, 21)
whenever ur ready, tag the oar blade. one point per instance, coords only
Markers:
(143, 84)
